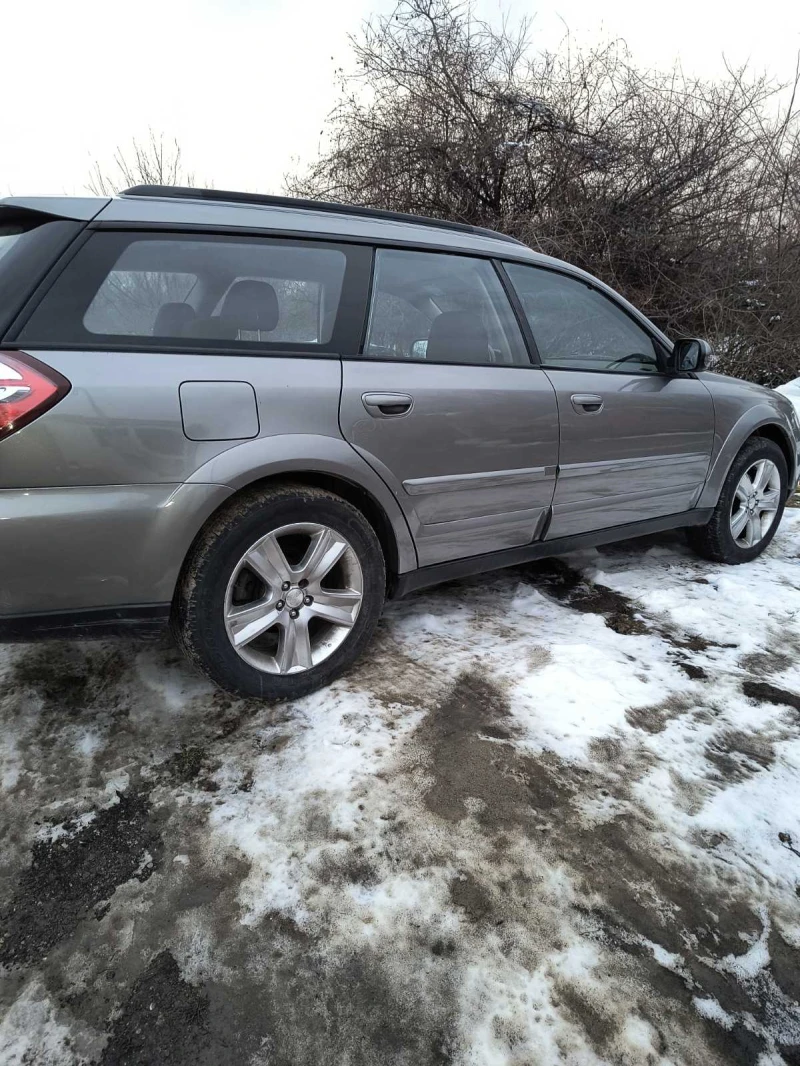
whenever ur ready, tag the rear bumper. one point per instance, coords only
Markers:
(77, 549)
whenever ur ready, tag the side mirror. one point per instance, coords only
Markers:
(689, 354)
(419, 349)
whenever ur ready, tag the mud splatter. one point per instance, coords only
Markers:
(556, 578)
(764, 692)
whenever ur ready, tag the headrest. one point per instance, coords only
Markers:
(251, 305)
(458, 337)
(172, 318)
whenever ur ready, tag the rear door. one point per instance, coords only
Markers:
(635, 442)
(447, 407)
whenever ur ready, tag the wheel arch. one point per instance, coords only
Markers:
(777, 434)
(757, 422)
(348, 490)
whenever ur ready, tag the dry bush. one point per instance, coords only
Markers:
(683, 194)
(151, 163)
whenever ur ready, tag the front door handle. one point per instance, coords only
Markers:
(587, 403)
(387, 404)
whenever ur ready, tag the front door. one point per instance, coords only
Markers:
(635, 443)
(448, 409)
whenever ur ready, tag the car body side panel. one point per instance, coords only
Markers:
(121, 422)
(473, 460)
(644, 454)
(74, 548)
(740, 410)
(110, 477)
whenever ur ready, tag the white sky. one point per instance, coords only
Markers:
(245, 85)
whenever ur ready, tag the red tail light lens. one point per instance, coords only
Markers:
(28, 388)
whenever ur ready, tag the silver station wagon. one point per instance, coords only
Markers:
(255, 418)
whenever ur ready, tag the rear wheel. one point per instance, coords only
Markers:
(750, 506)
(281, 593)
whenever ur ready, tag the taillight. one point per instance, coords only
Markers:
(28, 388)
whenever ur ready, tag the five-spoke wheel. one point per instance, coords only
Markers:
(293, 598)
(755, 502)
(281, 593)
(749, 506)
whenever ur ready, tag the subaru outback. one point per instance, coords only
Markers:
(254, 418)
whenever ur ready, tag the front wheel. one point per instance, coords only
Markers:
(749, 508)
(281, 593)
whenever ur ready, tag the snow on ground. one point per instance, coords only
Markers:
(792, 390)
(553, 817)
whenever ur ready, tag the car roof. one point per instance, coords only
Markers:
(213, 208)
(217, 209)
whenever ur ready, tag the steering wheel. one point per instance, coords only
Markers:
(636, 357)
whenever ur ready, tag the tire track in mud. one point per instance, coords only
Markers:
(633, 895)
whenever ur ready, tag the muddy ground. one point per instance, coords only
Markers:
(551, 818)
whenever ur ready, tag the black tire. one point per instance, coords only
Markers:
(715, 541)
(198, 620)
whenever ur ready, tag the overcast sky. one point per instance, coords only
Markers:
(245, 85)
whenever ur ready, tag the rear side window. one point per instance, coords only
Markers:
(202, 291)
(578, 328)
(442, 309)
(128, 302)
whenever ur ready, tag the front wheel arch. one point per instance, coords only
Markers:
(758, 422)
(772, 431)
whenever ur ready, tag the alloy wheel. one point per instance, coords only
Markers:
(293, 598)
(755, 503)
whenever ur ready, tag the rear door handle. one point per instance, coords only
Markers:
(587, 403)
(387, 404)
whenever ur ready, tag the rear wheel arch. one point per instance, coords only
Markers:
(304, 613)
(352, 493)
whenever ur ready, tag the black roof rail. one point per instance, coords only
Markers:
(221, 195)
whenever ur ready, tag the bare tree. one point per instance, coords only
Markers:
(131, 296)
(682, 193)
(151, 163)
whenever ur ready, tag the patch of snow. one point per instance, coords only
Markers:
(710, 1008)
(30, 1031)
(792, 390)
(756, 958)
(68, 829)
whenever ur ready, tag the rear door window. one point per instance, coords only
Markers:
(442, 309)
(196, 291)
